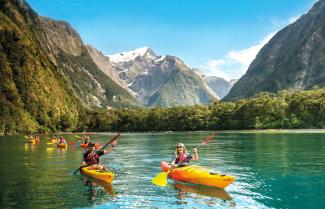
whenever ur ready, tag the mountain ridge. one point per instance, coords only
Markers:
(291, 60)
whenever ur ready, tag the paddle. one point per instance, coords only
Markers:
(109, 142)
(161, 178)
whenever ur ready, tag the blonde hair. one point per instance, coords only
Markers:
(184, 150)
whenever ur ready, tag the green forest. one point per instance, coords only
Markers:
(290, 110)
(285, 110)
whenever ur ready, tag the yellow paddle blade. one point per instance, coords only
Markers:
(161, 179)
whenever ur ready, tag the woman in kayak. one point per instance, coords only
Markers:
(62, 140)
(181, 157)
(91, 157)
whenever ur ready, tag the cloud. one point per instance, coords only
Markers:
(293, 19)
(235, 63)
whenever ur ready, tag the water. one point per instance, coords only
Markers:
(272, 170)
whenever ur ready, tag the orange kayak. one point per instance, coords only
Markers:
(98, 146)
(198, 175)
(84, 145)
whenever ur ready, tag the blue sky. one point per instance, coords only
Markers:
(220, 37)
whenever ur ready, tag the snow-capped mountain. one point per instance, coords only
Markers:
(157, 80)
(160, 80)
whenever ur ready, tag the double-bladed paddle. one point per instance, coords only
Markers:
(161, 178)
(109, 142)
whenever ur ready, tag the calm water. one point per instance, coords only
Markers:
(272, 171)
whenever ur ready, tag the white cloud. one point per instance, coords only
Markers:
(235, 63)
(293, 19)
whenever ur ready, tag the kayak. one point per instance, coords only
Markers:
(198, 175)
(105, 176)
(34, 141)
(84, 145)
(54, 140)
(98, 146)
(62, 145)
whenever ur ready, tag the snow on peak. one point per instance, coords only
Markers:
(127, 56)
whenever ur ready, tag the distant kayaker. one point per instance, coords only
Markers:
(86, 140)
(62, 140)
(37, 138)
(181, 157)
(91, 157)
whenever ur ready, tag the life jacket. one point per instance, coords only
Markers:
(91, 158)
(182, 158)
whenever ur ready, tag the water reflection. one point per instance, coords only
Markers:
(96, 188)
(219, 196)
(184, 188)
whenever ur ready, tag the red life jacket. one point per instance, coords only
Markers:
(91, 158)
(182, 158)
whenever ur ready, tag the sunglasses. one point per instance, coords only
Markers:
(179, 147)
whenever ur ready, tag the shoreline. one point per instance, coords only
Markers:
(249, 131)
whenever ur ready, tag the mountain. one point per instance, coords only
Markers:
(293, 59)
(72, 58)
(160, 80)
(233, 81)
(220, 86)
(104, 64)
(48, 79)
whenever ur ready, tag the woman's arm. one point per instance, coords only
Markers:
(172, 163)
(196, 155)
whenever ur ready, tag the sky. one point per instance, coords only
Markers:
(219, 37)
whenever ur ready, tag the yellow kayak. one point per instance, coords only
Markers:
(105, 176)
(62, 145)
(198, 175)
(54, 141)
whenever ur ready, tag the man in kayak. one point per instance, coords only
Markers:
(181, 157)
(91, 157)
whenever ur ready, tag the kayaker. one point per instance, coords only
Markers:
(62, 140)
(86, 140)
(181, 157)
(37, 138)
(91, 157)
